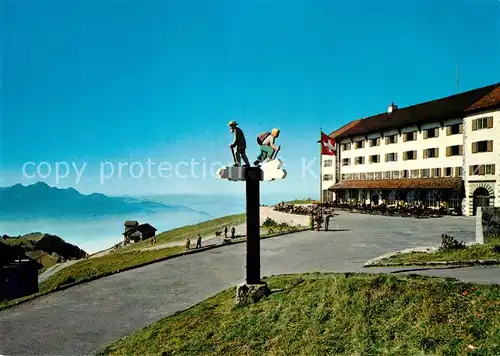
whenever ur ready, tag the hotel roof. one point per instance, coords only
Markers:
(455, 106)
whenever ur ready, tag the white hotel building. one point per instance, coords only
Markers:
(442, 152)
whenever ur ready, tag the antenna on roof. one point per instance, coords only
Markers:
(458, 79)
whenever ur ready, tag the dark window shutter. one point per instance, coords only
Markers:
(474, 125)
(461, 150)
(395, 156)
(492, 169)
(436, 132)
(436, 151)
(448, 151)
(425, 134)
(474, 147)
(482, 169)
(461, 128)
(490, 146)
(490, 122)
(448, 130)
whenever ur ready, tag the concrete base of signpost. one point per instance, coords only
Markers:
(247, 294)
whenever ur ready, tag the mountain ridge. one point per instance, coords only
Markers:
(39, 200)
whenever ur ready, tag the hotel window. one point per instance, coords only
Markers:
(362, 176)
(454, 150)
(436, 172)
(391, 157)
(425, 173)
(344, 176)
(431, 153)
(346, 161)
(409, 155)
(454, 129)
(490, 169)
(391, 139)
(346, 146)
(482, 123)
(387, 175)
(395, 174)
(455, 200)
(378, 175)
(327, 177)
(448, 171)
(375, 159)
(328, 163)
(349, 176)
(359, 144)
(392, 197)
(375, 142)
(359, 160)
(431, 133)
(410, 136)
(369, 175)
(414, 173)
(404, 174)
(477, 170)
(355, 176)
(482, 146)
(458, 171)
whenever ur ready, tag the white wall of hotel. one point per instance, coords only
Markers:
(490, 182)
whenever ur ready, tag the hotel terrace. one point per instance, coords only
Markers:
(444, 152)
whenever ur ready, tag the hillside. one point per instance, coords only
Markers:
(39, 200)
(50, 248)
(332, 314)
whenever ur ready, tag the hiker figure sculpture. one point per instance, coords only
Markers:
(268, 150)
(240, 143)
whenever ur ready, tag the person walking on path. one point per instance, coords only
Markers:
(225, 232)
(198, 241)
(240, 143)
(188, 244)
(327, 221)
(233, 232)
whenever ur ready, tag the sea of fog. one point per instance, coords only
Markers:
(98, 233)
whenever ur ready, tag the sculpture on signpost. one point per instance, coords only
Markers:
(254, 288)
(239, 143)
(268, 150)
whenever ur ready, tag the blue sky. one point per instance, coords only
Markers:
(123, 81)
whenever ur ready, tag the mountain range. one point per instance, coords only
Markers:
(40, 200)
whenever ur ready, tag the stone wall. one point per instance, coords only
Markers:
(490, 222)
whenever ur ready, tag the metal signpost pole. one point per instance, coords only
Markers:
(252, 178)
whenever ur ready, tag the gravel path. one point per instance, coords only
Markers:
(87, 317)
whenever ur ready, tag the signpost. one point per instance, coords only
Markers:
(271, 170)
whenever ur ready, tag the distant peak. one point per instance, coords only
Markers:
(41, 184)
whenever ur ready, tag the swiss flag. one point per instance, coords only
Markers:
(328, 145)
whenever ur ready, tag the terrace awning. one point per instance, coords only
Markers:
(403, 183)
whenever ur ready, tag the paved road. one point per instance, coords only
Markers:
(85, 318)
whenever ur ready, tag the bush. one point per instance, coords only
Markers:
(449, 243)
(270, 223)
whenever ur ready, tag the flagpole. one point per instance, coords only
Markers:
(320, 167)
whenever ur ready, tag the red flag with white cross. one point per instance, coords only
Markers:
(328, 145)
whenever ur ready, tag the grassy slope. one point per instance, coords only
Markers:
(92, 267)
(204, 228)
(474, 252)
(320, 314)
(28, 242)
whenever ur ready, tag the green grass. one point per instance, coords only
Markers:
(475, 252)
(301, 201)
(204, 228)
(326, 314)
